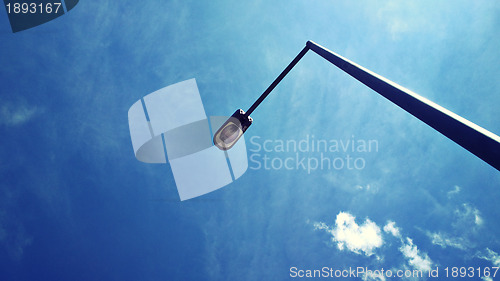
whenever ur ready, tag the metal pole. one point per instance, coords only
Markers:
(277, 80)
(481, 142)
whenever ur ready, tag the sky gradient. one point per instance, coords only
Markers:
(75, 204)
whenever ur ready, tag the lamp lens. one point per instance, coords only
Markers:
(230, 133)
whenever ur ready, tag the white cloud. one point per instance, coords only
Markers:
(360, 187)
(418, 260)
(491, 256)
(443, 240)
(456, 190)
(321, 226)
(487, 278)
(16, 114)
(466, 223)
(468, 217)
(364, 238)
(367, 237)
(391, 227)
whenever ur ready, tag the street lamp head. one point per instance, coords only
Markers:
(232, 130)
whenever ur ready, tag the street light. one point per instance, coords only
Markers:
(479, 141)
(232, 130)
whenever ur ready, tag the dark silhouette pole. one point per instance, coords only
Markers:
(479, 141)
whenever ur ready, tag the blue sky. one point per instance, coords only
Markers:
(75, 204)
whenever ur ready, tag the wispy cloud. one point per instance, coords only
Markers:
(465, 224)
(453, 192)
(418, 260)
(391, 228)
(491, 256)
(412, 255)
(14, 114)
(346, 233)
(444, 240)
(468, 216)
(467, 232)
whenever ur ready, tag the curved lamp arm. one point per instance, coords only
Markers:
(479, 141)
